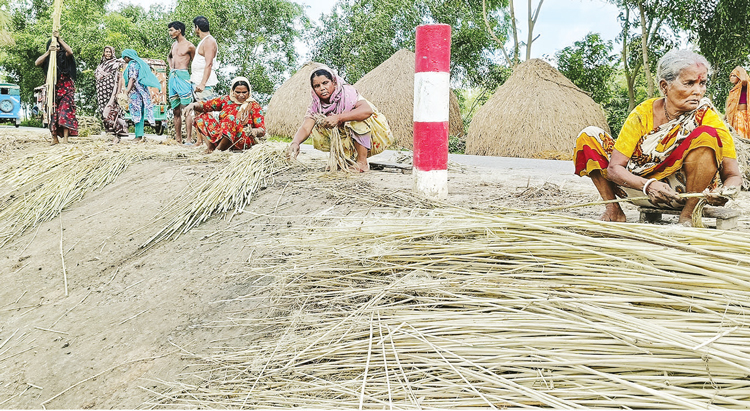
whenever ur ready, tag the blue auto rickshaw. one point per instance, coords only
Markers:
(10, 103)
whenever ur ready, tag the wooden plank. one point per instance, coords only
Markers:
(382, 165)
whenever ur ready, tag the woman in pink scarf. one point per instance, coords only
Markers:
(364, 131)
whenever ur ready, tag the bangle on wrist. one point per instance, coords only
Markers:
(645, 186)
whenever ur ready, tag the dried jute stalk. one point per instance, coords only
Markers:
(337, 158)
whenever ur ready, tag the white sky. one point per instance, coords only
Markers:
(561, 22)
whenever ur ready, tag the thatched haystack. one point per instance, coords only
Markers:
(390, 87)
(537, 110)
(289, 103)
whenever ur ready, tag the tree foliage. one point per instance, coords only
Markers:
(589, 64)
(721, 29)
(360, 34)
(256, 39)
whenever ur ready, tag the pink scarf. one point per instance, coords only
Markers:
(343, 99)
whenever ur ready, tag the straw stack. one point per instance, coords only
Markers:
(453, 308)
(536, 113)
(289, 103)
(390, 87)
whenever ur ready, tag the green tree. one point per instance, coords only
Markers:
(721, 29)
(359, 35)
(256, 38)
(589, 64)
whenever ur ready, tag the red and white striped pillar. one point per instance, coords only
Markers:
(431, 115)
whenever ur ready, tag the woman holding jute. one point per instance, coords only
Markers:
(241, 123)
(108, 82)
(63, 122)
(363, 130)
(668, 145)
(737, 114)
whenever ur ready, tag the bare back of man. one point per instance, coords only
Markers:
(180, 93)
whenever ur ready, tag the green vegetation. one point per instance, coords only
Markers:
(258, 40)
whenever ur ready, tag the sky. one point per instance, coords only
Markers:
(560, 23)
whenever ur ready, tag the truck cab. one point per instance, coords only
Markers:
(10, 104)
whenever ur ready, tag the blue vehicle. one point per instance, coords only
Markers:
(10, 103)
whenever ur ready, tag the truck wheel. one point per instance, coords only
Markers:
(159, 128)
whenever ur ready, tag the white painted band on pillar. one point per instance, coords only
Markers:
(432, 184)
(431, 96)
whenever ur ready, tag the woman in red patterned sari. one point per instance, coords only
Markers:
(63, 122)
(668, 145)
(240, 122)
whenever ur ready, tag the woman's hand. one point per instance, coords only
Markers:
(330, 121)
(659, 192)
(721, 195)
(293, 150)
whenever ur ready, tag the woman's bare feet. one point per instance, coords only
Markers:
(55, 141)
(613, 213)
(359, 167)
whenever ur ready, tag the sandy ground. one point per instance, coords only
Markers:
(132, 318)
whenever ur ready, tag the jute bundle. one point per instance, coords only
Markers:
(536, 110)
(230, 189)
(337, 155)
(88, 126)
(452, 308)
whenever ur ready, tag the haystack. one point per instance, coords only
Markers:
(289, 103)
(390, 87)
(536, 113)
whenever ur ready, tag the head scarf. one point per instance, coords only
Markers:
(244, 110)
(343, 98)
(733, 99)
(107, 66)
(65, 64)
(145, 76)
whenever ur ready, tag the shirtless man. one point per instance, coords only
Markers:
(204, 64)
(180, 90)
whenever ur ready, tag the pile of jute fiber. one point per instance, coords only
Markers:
(230, 189)
(38, 183)
(455, 308)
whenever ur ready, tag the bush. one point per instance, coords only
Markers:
(32, 122)
(456, 145)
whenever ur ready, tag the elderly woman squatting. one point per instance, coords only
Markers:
(667, 145)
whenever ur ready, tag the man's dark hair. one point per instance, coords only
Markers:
(178, 25)
(202, 23)
(320, 72)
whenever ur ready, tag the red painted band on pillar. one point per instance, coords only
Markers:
(431, 146)
(433, 48)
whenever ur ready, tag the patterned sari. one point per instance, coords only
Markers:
(107, 81)
(65, 114)
(655, 152)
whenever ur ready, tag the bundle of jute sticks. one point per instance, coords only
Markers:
(36, 185)
(455, 308)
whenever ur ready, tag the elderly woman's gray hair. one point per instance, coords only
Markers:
(672, 63)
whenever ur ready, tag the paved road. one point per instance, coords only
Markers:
(526, 166)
